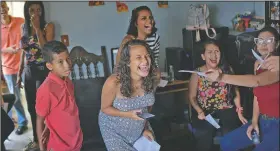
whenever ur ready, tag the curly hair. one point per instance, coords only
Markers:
(132, 29)
(122, 70)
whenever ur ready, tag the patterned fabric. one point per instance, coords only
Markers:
(153, 42)
(212, 96)
(32, 48)
(120, 133)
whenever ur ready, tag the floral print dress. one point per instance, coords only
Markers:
(32, 49)
(212, 96)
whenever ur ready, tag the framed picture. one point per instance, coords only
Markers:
(272, 13)
(163, 4)
(95, 3)
(274, 10)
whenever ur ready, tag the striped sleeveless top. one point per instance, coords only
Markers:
(153, 42)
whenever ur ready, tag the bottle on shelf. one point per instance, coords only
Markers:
(171, 74)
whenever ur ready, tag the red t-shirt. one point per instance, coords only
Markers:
(10, 35)
(55, 101)
(268, 98)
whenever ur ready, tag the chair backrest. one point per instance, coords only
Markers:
(88, 89)
(114, 52)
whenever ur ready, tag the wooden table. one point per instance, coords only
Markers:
(175, 86)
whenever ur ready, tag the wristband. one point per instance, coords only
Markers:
(239, 109)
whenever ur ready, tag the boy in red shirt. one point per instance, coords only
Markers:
(55, 102)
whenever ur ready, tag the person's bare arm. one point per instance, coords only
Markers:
(124, 41)
(256, 111)
(264, 78)
(239, 108)
(109, 93)
(11, 50)
(272, 63)
(193, 93)
(237, 99)
(108, 96)
(40, 126)
(22, 58)
(49, 30)
(21, 67)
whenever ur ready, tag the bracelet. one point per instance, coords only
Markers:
(200, 112)
(239, 109)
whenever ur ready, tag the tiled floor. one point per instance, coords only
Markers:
(18, 142)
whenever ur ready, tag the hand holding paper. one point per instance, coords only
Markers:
(162, 83)
(212, 121)
(143, 144)
(199, 73)
(259, 58)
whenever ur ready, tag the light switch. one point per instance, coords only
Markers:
(65, 40)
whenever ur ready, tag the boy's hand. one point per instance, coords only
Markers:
(45, 136)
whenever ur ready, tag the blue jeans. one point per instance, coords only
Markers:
(11, 82)
(269, 135)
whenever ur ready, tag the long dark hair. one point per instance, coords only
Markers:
(132, 29)
(122, 70)
(27, 23)
(224, 66)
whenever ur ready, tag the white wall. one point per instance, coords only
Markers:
(92, 27)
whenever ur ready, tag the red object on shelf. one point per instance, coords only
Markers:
(246, 21)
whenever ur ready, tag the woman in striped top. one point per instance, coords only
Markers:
(142, 27)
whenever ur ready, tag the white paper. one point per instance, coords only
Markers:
(199, 73)
(5, 107)
(162, 83)
(257, 56)
(143, 144)
(212, 121)
(164, 74)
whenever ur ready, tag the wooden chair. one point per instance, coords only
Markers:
(114, 52)
(88, 93)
